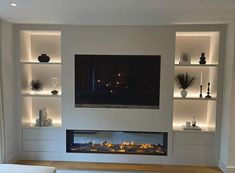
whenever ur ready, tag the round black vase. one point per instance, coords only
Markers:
(43, 58)
(54, 92)
(202, 59)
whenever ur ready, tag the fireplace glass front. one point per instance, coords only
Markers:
(116, 142)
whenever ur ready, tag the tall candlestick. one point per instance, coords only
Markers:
(200, 95)
(201, 79)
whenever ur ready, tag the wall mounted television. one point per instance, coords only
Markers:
(117, 81)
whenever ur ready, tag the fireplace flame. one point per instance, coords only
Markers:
(124, 147)
(146, 146)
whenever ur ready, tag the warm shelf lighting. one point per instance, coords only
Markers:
(179, 124)
(205, 127)
(208, 34)
(55, 122)
(41, 93)
(34, 60)
(191, 95)
(42, 32)
(13, 4)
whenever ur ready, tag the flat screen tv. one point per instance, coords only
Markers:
(125, 81)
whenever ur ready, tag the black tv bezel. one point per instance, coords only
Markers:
(117, 105)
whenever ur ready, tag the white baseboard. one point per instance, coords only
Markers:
(230, 169)
(226, 169)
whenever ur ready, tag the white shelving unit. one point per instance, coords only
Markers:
(195, 65)
(33, 44)
(40, 95)
(193, 44)
(42, 63)
(195, 98)
(200, 144)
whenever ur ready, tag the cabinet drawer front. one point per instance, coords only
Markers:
(43, 134)
(194, 138)
(194, 150)
(43, 146)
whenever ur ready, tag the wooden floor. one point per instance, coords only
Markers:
(122, 167)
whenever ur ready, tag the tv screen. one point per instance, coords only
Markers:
(129, 81)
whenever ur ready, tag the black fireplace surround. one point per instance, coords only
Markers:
(116, 142)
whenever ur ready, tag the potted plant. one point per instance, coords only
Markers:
(184, 81)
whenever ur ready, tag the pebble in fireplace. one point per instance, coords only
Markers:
(147, 143)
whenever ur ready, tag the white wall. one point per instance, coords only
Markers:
(1, 116)
(124, 40)
(227, 159)
(231, 161)
(9, 95)
(159, 40)
(134, 40)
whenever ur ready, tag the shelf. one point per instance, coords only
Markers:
(32, 126)
(41, 63)
(204, 129)
(40, 95)
(196, 65)
(195, 98)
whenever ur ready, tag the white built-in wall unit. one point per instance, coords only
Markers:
(32, 45)
(193, 44)
(197, 143)
(184, 147)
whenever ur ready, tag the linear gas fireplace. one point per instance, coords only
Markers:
(116, 142)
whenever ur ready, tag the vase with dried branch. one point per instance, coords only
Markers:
(184, 81)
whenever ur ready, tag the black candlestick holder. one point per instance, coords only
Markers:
(200, 91)
(208, 91)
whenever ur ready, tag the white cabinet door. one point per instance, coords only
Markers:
(43, 134)
(194, 144)
(43, 146)
(194, 138)
(43, 140)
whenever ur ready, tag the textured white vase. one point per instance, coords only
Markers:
(183, 92)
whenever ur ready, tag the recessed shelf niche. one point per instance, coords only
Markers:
(33, 44)
(193, 44)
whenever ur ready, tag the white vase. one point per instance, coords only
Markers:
(183, 92)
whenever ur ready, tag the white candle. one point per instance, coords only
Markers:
(201, 79)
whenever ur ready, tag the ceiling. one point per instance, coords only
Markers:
(117, 12)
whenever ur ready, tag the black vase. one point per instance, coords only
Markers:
(43, 58)
(202, 59)
(54, 92)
